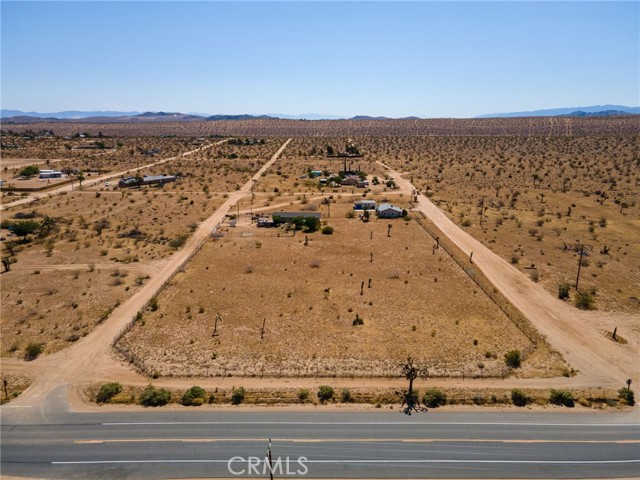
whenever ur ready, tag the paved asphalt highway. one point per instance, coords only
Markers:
(156, 444)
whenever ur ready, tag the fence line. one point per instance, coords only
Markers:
(130, 356)
(508, 308)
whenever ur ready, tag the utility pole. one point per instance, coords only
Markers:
(270, 461)
(579, 265)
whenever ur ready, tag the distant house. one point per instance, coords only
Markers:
(287, 217)
(50, 174)
(386, 210)
(146, 180)
(365, 205)
(362, 183)
(315, 173)
(350, 181)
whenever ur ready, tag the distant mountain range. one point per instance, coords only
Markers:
(65, 114)
(596, 110)
(133, 116)
(19, 116)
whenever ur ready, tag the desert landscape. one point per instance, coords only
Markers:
(350, 298)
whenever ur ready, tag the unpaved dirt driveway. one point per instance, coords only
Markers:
(576, 334)
(92, 181)
(92, 356)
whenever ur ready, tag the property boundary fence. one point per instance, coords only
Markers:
(130, 356)
(472, 270)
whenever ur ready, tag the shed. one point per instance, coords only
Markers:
(365, 205)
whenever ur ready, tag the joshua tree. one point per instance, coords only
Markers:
(10, 247)
(7, 262)
(411, 371)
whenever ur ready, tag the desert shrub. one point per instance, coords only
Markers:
(358, 320)
(108, 391)
(466, 222)
(346, 396)
(350, 214)
(153, 304)
(585, 300)
(434, 398)
(626, 394)
(561, 397)
(238, 395)
(325, 393)
(179, 241)
(518, 398)
(32, 351)
(194, 393)
(154, 397)
(563, 291)
(512, 359)
(327, 230)
(303, 395)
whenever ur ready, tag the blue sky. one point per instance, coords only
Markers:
(429, 59)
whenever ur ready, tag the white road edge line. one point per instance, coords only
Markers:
(390, 461)
(406, 424)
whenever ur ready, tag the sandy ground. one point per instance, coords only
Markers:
(95, 180)
(575, 334)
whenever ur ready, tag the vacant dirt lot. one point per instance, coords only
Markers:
(103, 243)
(541, 199)
(308, 296)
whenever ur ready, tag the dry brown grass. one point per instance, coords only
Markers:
(445, 127)
(419, 304)
(57, 308)
(373, 396)
(15, 385)
(62, 284)
(542, 197)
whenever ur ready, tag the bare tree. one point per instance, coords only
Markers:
(411, 370)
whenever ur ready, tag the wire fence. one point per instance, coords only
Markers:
(125, 352)
(462, 259)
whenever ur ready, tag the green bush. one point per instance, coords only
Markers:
(561, 397)
(627, 395)
(346, 396)
(434, 398)
(32, 351)
(563, 291)
(153, 304)
(238, 395)
(518, 398)
(154, 397)
(325, 393)
(585, 300)
(512, 359)
(194, 393)
(303, 395)
(30, 171)
(179, 241)
(108, 391)
(327, 230)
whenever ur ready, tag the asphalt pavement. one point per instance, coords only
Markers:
(193, 444)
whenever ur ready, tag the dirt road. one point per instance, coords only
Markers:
(576, 334)
(92, 356)
(89, 182)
